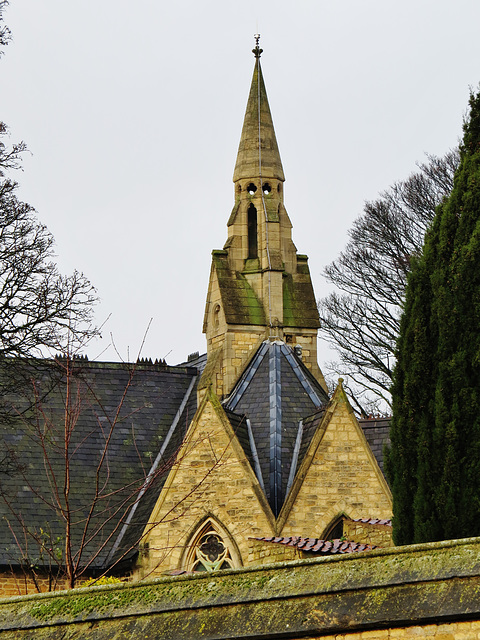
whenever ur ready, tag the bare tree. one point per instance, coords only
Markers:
(85, 459)
(361, 319)
(78, 528)
(40, 309)
(4, 30)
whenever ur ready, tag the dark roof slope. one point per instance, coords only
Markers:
(275, 393)
(239, 425)
(126, 417)
(310, 426)
(377, 433)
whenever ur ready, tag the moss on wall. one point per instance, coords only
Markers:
(414, 585)
(240, 304)
(299, 304)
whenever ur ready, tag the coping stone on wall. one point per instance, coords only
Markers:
(396, 587)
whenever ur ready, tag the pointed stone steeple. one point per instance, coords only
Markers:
(260, 288)
(258, 153)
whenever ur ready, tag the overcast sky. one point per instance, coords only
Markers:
(132, 112)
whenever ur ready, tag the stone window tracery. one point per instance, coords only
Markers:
(211, 554)
(210, 550)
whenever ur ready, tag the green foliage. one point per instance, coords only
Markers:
(434, 460)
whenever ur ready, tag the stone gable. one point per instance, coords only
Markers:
(212, 477)
(339, 475)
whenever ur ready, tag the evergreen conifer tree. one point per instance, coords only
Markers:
(434, 460)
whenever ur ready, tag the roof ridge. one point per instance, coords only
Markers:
(275, 432)
(302, 377)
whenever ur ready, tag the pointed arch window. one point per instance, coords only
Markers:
(252, 232)
(211, 550)
(335, 529)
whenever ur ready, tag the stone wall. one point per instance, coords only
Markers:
(378, 534)
(420, 591)
(18, 583)
(266, 552)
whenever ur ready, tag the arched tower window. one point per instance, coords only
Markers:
(210, 549)
(252, 232)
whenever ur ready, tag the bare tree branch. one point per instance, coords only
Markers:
(361, 320)
(5, 35)
(57, 431)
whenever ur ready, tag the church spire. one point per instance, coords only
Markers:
(258, 154)
(260, 288)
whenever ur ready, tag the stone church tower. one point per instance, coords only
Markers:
(260, 287)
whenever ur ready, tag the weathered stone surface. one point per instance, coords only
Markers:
(247, 164)
(213, 476)
(430, 589)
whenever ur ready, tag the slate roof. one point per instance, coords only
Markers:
(158, 404)
(283, 404)
(377, 433)
(310, 425)
(240, 426)
(275, 394)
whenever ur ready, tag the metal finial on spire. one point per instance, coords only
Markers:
(257, 52)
